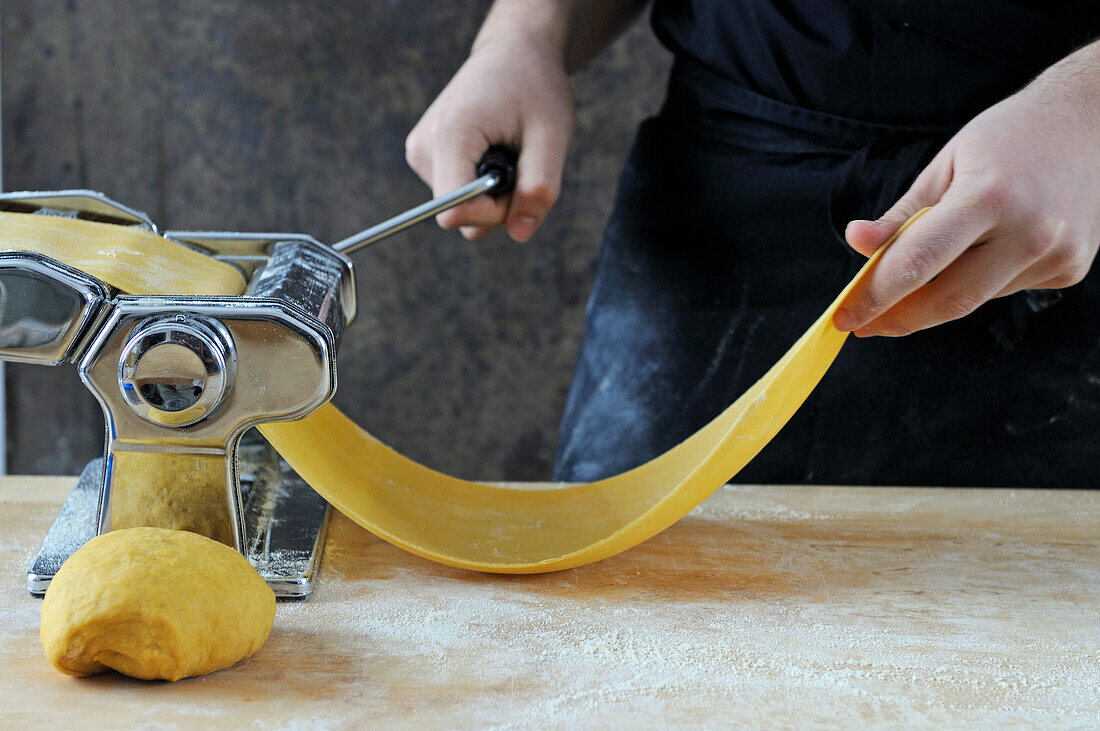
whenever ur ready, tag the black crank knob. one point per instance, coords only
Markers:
(502, 161)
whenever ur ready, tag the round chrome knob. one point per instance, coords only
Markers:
(177, 370)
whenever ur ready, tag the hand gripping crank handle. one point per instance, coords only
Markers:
(497, 176)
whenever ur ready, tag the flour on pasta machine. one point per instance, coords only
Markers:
(182, 379)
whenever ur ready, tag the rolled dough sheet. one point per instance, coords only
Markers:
(456, 522)
(129, 259)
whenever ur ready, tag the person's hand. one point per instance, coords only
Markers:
(1015, 204)
(508, 92)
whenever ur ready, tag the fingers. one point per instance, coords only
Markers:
(867, 236)
(979, 274)
(1005, 265)
(1008, 259)
(538, 178)
(1063, 262)
(922, 251)
(476, 233)
(453, 165)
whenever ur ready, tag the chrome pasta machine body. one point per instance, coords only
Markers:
(182, 379)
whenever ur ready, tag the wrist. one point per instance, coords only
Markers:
(541, 26)
(570, 32)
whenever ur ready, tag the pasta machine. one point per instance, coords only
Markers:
(182, 379)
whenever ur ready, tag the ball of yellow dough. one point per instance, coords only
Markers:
(154, 604)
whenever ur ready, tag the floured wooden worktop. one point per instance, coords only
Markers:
(781, 605)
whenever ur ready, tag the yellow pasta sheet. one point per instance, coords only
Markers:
(452, 521)
(129, 259)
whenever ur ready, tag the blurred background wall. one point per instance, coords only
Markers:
(290, 115)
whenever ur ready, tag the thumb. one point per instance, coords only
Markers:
(867, 236)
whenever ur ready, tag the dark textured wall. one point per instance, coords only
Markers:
(291, 116)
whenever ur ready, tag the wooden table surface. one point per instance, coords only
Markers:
(784, 606)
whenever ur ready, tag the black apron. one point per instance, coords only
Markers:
(725, 244)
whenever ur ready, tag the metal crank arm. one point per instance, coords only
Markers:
(496, 176)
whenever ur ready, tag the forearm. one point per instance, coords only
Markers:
(572, 30)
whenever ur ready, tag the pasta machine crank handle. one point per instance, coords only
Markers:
(496, 176)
